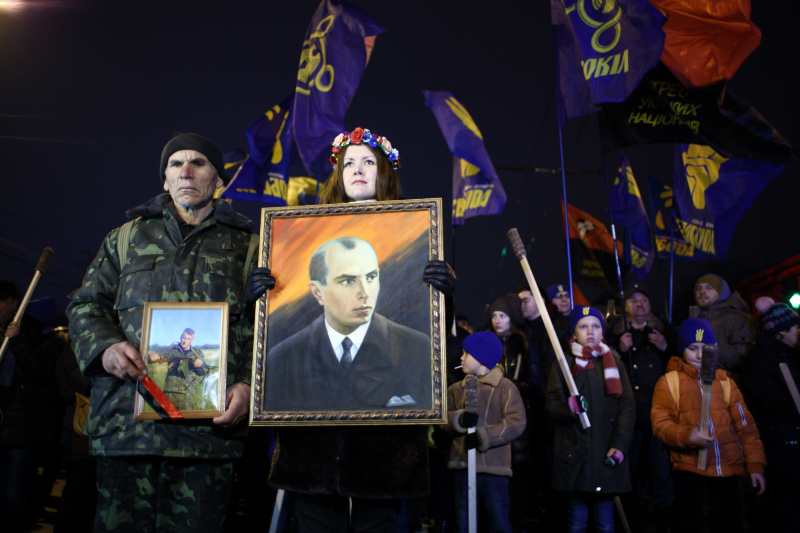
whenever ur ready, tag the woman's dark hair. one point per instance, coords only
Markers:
(386, 188)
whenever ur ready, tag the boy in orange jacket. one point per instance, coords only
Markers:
(734, 446)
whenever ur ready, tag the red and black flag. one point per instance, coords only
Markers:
(592, 249)
(662, 109)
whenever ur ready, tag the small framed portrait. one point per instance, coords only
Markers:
(350, 334)
(185, 347)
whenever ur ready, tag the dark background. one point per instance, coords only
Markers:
(90, 91)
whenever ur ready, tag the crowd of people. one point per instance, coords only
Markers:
(617, 435)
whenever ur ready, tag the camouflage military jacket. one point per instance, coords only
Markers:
(162, 266)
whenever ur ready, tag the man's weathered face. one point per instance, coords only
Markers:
(638, 307)
(191, 179)
(529, 308)
(352, 286)
(186, 340)
(705, 295)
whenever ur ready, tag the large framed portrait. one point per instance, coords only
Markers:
(350, 334)
(185, 348)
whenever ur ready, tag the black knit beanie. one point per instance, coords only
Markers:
(198, 143)
(779, 317)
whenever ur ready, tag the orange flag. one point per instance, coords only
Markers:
(706, 40)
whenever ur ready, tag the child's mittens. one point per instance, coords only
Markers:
(468, 420)
(577, 404)
(472, 441)
(615, 458)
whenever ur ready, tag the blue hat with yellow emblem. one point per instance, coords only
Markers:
(582, 311)
(552, 290)
(694, 330)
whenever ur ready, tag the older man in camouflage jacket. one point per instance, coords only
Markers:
(183, 246)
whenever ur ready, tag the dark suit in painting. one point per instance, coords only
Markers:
(392, 363)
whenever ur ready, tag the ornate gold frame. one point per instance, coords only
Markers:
(318, 224)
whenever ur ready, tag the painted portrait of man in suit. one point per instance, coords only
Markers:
(349, 357)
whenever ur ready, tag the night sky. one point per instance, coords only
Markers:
(90, 91)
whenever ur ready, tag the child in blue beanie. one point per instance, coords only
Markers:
(500, 419)
(589, 466)
(734, 446)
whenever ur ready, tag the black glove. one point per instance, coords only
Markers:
(441, 276)
(468, 420)
(472, 441)
(259, 282)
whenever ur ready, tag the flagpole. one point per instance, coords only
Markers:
(671, 265)
(453, 247)
(616, 248)
(566, 217)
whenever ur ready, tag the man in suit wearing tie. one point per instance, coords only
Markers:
(349, 358)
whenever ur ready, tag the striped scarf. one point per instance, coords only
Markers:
(584, 356)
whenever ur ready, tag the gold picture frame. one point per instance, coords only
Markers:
(397, 375)
(185, 348)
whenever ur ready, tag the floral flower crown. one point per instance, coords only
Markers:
(362, 136)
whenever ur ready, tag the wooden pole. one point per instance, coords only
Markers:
(40, 268)
(519, 250)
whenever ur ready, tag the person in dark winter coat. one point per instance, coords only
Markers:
(342, 477)
(589, 463)
(27, 396)
(777, 417)
(507, 324)
(559, 296)
(643, 349)
(79, 496)
(734, 326)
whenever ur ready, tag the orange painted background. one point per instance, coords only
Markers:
(295, 240)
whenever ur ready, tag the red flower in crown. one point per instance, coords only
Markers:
(356, 135)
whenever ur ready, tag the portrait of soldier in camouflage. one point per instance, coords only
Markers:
(186, 373)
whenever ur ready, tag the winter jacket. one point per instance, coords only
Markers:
(28, 403)
(768, 398)
(501, 419)
(644, 362)
(579, 453)
(208, 265)
(734, 328)
(737, 448)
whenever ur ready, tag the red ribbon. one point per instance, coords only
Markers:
(159, 396)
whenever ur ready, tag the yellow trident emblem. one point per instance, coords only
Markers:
(698, 336)
(585, 311)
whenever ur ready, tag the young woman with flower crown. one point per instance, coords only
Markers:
(355, 477)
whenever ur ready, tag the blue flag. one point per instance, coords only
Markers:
(335, 53)
(233, 159)
(626, 208)
(264, 175)
(666, 227)
(603, 48)
(712, 193)
(476, 188)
